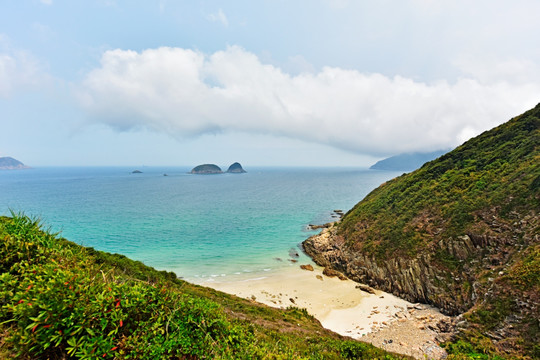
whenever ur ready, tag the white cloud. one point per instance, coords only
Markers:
(187, 93)
(46, 2)
(18, 70)
(219, 17)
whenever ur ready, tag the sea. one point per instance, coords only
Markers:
(205, 228)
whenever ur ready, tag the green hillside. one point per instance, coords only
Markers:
(59, 300)
(462, 233)
(496, 174)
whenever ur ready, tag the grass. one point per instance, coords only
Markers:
(59, 300)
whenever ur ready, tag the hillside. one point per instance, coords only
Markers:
(407, 161)
(9, 163)
(461, 232)
(59, 300)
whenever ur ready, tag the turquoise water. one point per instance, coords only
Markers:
(203, 227)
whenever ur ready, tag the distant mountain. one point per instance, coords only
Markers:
(9, 163)
(206, 169)
(236, 168)
(407, 161)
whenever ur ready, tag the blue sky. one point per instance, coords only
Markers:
(319, 82)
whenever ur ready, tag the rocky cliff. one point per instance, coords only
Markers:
(461, 233)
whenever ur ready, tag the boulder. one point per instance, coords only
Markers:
(306, 267)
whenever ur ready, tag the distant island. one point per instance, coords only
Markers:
(407, 161)
(207, 169)
(9, 163)
(236, 168)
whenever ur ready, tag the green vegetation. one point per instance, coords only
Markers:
(500, 168)
(59, 300)
(487, 191)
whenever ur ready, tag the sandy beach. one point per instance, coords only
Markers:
(380, 318)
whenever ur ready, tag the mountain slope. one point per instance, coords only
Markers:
(461, 232)
(406, 162)
(9, 163)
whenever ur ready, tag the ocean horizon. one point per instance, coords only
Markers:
(202, 227)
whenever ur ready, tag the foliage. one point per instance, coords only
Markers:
(488, 189)
(499, 168)
(59, 300)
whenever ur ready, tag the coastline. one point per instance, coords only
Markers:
(380, 318)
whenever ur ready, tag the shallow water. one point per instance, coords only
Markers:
(203, 227)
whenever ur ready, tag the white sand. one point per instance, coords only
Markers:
(337, 304)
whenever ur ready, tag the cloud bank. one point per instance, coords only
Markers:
(186, 93)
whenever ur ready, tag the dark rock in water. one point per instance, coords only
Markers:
(307, 267)
(236, 168)
(206, 169)
(136, 172)
(9, 163)
(323, 226)
(278, 259)
(293, 253)
(165, 175)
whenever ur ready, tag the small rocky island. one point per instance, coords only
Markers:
(236, 168)
(206, 169)
(9, 163)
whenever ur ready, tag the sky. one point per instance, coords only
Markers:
(265, 83)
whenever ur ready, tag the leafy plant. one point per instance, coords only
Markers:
(59, 300)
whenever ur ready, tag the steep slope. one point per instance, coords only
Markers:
(59, 300)
(461, 232)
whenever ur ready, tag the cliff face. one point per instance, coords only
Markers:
(460, 233)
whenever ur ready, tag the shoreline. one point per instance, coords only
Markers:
(381, 318)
